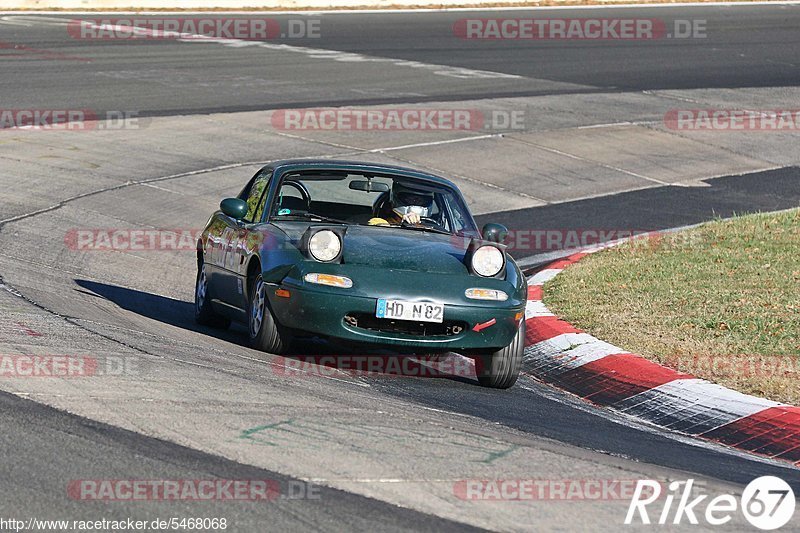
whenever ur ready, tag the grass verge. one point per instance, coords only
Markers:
(720, 301)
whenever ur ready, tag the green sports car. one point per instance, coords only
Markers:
(371, 254)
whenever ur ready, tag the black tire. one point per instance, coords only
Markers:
(204, 314)
(500, 370)
(266, 334)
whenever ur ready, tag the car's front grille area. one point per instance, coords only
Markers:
(448, 328)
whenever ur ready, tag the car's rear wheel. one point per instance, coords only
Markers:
(500, 370)
(204, 314)
(265, 333)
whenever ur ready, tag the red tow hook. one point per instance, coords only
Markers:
(484, 325)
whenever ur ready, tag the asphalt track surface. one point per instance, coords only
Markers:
(73, 446)
(772, 190)
(747, 47)
(744, 47)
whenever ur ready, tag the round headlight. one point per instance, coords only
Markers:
(487, 261)
(324, 245)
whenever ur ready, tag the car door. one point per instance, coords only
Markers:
(248, 233)
(231, 259)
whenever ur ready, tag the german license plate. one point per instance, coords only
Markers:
(416, 311)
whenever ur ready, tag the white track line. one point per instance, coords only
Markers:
(315, 53)
(416, 10)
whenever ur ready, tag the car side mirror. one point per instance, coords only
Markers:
(234, 208)
(494, 232)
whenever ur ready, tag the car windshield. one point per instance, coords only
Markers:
(374, 200)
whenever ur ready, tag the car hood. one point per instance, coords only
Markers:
(398, 249)
(405, 249)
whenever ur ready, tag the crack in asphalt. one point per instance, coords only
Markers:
(14, 292)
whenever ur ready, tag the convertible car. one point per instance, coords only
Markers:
(375, 255)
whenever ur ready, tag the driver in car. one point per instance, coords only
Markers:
(406, 205)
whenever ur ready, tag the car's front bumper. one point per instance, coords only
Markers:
(322, 311)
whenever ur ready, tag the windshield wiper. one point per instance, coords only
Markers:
(427, 228)
(314, 216)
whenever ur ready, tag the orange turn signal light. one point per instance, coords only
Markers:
(329, 279)
(476, 293)
(283, 293)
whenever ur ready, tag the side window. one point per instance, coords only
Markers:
(256, 197)
(438, 213)
(455, 214)
(459, 222)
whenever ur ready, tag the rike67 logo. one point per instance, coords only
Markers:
(767, 503)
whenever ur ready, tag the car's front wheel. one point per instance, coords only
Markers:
(265, 333)
(203, 313)
(500, 370)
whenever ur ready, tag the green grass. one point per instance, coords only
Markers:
(721, 301)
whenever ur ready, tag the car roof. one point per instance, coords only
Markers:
(356, 167)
